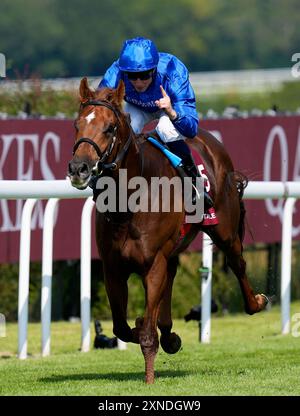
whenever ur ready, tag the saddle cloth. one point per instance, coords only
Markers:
(209, 217)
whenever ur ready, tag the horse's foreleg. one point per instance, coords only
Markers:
(117, 292)
(253, 303)
(169, 341)
(155, 283)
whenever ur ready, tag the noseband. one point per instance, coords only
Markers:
(100, 165)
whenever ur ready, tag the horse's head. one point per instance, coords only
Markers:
(99, 128)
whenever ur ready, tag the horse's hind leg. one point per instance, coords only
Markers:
(253, 303)
(169, 341)
(232, 247)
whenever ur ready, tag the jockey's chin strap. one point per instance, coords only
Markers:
(100, 165)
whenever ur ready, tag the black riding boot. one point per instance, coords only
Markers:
(192, 171)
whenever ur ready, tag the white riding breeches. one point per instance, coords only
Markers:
(165, 128)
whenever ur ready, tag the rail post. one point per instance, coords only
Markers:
(47, 268)
(206, 283)
(24, 268)
(85, 274)
(286, 266)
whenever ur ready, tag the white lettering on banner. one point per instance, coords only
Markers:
(21, 139)
(45, 169)
(276, 132)
(275, 208)
(296, 172)
(6, 223)
(25, 172)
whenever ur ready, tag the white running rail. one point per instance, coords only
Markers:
(62, 189)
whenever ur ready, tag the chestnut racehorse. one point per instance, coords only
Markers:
(144, 242)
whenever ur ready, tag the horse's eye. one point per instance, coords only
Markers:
(110, 129)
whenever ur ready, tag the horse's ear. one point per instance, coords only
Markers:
(120, 92)
(84, 90)
(117, 96)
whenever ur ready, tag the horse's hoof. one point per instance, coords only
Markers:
(149, 379)
(262, 301)
(170, 344)
(267, 300)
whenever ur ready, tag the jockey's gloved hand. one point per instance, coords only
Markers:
(165, 104)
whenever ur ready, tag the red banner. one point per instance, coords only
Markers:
(264, 148)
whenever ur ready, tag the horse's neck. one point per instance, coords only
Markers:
(143, 159)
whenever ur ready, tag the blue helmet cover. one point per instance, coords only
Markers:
(138, 55)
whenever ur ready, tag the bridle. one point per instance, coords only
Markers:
(100, 165)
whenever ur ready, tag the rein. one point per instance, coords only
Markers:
(100, 165)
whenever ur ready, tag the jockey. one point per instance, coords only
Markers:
(157, 87)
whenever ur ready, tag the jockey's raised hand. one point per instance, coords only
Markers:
(165, 104)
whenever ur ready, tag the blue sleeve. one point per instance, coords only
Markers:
(183, 100)
(111, 77)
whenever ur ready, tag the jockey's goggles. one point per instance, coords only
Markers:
(143, 76)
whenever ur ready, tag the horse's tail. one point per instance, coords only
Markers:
(241, 181)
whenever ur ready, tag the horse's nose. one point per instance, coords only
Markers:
(80, 169)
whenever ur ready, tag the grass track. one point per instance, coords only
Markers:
(247, 356)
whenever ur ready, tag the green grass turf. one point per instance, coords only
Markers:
(247, 356)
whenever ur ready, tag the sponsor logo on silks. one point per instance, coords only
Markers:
(2, 65)
(139, 103)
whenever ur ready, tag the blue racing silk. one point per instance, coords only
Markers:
(173, 75)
